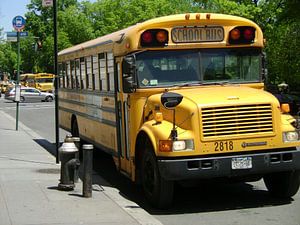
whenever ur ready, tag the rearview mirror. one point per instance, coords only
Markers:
(170, 100)
(129, 74)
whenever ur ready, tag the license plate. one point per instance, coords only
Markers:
(241, 163)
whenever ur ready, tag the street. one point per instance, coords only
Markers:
(205, 204)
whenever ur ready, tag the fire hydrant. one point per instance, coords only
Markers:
(69, 164)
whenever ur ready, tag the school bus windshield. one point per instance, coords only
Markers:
(168, 68)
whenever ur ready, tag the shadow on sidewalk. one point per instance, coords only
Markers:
(50, 147)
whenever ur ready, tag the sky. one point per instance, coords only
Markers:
(11, 8)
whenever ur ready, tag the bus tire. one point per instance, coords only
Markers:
(22, 99)
(158, 191)
(283, 184)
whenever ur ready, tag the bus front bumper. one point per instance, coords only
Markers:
(222, 166)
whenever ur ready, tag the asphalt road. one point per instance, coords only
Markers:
(204, 204)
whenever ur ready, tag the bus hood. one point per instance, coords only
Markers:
(226, 95)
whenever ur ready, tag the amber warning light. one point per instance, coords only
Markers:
(154, 38)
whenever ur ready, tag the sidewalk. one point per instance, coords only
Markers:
(28, 188)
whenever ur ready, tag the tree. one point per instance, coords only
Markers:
(111, 15)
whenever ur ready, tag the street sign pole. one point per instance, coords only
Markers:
(18, 78)
(18, 24)
(56, 79)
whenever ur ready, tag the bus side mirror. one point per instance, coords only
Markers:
(129, 74)
(170, 99)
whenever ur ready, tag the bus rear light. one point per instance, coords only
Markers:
(248, 34)
(147, 37)
(235, 34)
(154, 38)
(242, 35)
(161, 36)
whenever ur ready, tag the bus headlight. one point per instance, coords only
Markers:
(290, 136)
(179, 145)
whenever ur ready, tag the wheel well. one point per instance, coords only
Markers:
(73, 118)
(142, 141)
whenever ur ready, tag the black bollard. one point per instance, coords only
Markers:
(87, 170)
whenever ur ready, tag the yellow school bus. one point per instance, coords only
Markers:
(42, 81)
(181, 98)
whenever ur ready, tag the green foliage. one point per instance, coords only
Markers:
(112, 15)
(79, 21)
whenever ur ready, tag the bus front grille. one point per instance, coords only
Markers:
(237, 120)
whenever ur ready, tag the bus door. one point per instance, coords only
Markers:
(123, 124)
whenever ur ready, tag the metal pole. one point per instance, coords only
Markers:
(87, 170)
(56, 78)
(18, 77)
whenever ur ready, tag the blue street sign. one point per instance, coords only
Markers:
(14, 34)
(18, 23)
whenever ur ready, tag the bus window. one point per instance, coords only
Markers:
(96, 80)
(82, 73)
(77, 73)
(61, 74)
(68, 75)
(103, 71)
(231, 65)
(73, 73)
(167, 68)
(89, 82)
(110, 71)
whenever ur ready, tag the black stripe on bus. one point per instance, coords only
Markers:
(104, 121)
(87, 92)
(103, 108)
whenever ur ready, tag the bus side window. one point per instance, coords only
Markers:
(61, 74)
(77, 73)
(73, 71)
(103, 71)
(82, 73)
(110, 71)
(89, 72)
(96, 72)
(68, 75)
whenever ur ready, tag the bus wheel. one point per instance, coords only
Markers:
(158, 191)
(22, 99)
(283, 184)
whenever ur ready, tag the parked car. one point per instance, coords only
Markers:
(29, 94)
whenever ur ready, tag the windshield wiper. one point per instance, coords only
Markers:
(188, 84)
(217, 82)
